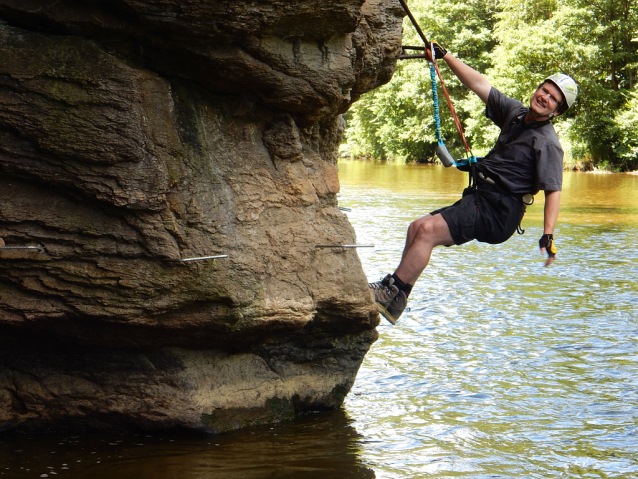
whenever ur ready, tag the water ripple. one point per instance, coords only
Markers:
(501, 367)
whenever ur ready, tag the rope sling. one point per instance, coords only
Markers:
(469, 163)
(441, 150)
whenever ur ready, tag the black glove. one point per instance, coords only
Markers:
(547, 242)
(439, 51)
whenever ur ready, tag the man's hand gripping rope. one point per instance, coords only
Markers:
(439, 51)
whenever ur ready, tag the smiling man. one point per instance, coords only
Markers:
(527, 158)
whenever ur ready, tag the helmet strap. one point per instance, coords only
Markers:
(538, 118)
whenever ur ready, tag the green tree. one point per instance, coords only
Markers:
(594, 41)
(397, 120)
(516, 44)
(627, 127)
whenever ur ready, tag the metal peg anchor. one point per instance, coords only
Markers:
(344, 246)
(202, 258)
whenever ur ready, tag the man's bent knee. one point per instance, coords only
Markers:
(425, 229)
(434, 230)
(416, 223)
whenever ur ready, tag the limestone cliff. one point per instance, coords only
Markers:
(135, 134)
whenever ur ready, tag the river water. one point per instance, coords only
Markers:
(501, 368)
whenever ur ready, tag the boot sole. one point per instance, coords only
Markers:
(384, 312)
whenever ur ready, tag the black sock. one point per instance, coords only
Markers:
(406, 288)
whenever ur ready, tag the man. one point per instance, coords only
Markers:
(527, 158)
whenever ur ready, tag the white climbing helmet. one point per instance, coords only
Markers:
(568, 88)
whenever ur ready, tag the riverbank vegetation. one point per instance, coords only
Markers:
(516, 44)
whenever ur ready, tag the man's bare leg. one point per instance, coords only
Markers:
(412, 229)
(423, 235)
(391, 294)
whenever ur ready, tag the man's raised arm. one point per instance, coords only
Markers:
(469, 77)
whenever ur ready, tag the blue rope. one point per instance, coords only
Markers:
(470, 161)
(435, 97)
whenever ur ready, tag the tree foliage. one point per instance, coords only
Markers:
(516, 44)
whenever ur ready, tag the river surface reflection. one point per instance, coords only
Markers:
(502, 368)
(318, 446)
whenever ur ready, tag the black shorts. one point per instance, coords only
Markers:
(486, 215)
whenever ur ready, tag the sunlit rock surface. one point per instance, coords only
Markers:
(135, 134)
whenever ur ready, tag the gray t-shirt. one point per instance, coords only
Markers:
(526, 163)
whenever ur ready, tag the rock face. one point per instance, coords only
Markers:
(135, 134)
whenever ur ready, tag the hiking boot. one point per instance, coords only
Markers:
(384, 291)
(396, 307)
(385, 294)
